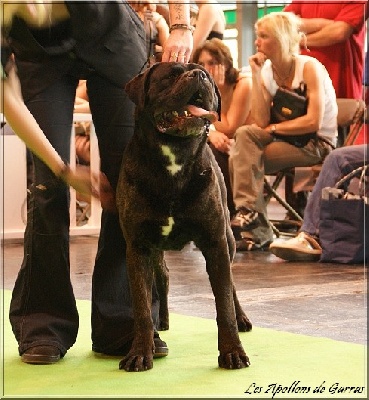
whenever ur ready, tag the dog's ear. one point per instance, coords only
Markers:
(217, 92)
(137, 87)
(219, 99)
(216, 89)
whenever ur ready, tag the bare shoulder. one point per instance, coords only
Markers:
(244, 80)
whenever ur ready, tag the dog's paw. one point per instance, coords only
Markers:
(243, 323)
(136, 363)
(235, 360)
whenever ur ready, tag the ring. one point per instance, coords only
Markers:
(175, 55)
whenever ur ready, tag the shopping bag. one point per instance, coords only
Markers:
(344, 223)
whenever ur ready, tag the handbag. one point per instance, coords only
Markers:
(289, 104)
(344, 222)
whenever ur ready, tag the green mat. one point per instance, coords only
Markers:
(283, 365)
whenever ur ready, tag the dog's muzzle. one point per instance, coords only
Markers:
(192, 121)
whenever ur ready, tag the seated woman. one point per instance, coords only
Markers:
(235, 89)
(267, 146)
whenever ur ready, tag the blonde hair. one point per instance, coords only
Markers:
(285, 27)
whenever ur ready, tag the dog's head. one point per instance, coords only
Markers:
(181, 99)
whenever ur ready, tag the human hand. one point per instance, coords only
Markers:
(217, 71)
(256, 61)
(82, 181)
(220, 141)
(178, 46)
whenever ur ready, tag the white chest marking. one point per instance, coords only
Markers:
(173, 167)
(166, 229)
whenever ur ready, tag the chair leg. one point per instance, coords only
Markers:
(271, 192)
(282, 201)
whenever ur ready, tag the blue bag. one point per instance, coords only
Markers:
(344, 222)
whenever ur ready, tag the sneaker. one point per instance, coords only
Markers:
(245, 219)
(303, 247)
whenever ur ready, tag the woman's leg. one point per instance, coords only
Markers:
(43, 309)
(337, 164)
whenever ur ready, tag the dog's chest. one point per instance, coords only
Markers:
(173, 164)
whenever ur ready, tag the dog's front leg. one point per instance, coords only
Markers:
(231, 352)
(140, 275)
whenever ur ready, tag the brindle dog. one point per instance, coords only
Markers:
(170, 192)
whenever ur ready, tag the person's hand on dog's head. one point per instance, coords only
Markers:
(178, 46)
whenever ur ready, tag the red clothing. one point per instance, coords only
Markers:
(344, 61)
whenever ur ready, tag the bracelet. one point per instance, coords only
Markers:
(181, 26)
(64, 172)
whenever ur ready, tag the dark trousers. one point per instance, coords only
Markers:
(43, 308)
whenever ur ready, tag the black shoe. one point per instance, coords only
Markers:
(244, 220)
(161, 348)
(41, 355)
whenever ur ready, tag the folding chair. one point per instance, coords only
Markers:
(350, 120)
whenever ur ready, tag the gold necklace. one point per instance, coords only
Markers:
(283, 80)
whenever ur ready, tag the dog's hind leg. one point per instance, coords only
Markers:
(162, 287)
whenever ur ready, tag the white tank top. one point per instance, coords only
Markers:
(329, 122)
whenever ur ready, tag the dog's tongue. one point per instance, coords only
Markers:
(212, 116)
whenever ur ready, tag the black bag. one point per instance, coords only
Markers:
(290, 104)
(344, 223)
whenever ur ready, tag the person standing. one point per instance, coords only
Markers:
(103, 43)
(335, 35)
(210, 22)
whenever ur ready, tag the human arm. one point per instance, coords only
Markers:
(238, 107)
(219, 140)
(25, 126)
(81, 105)
(308, 25)
(180, 41)
(330, 34)
(343, 21)
(162, 27)
(205, 21)
(312, 120)
(260, 97)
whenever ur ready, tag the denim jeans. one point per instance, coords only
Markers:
(43, 308)
(337, 164)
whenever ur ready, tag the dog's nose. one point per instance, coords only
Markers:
(198, 73)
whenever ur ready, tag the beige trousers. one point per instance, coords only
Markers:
(256, 153)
